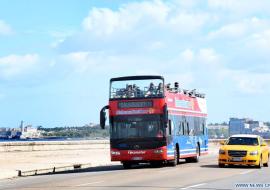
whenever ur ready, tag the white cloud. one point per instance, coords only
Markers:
(187, 23)
(242, 7)
(187, 55)
(196, 42)
(240, 29)
(14, 65)
(260, 41)
(208, 56)
(137, 17)
(5, 29)
(104, 21)
(250, 82)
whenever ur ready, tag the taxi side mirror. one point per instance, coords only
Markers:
(222, 142)
(263, 144)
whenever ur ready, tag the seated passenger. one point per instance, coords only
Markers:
(137, 91)
(151, 90)
(160, 133)
(129, 92)
(160, 89)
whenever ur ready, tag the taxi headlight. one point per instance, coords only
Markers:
(253, 153)
(222, 152)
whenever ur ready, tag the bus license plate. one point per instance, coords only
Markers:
(137, 158)
(237, 159)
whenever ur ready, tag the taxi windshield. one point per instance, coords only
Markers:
(243, 141)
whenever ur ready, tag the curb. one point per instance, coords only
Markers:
(54, 170)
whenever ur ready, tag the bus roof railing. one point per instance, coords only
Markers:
(139, 77)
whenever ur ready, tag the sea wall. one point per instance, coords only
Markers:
(53, 145)
(66, 145)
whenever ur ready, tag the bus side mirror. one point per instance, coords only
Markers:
(222, 142)
(165, 111)
(103, 117)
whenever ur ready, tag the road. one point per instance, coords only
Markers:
(202, 175)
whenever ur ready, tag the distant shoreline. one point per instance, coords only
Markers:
(47, 139)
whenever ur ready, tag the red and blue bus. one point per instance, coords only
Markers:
(151, 122)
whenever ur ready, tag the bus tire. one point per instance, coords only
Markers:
(178, 154)
(156, 164)
(197, 157)
(174, 161)
(126, 165)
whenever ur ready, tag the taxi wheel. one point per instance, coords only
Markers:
(266, 164)
(260, 163)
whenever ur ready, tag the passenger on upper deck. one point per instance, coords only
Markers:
(160, 89)
(130, 91)
(151, 90)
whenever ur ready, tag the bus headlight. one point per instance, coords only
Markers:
(222, 151)
(159, 151)
(253, 153)
(115, 153)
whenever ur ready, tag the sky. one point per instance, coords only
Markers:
(56, 57)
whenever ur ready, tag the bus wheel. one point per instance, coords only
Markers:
(126, 165)
(156, 164)
(175, 160)
(197, 157)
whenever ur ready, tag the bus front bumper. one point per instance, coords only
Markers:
(139, 155)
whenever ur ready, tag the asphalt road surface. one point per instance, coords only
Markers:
(202, 175)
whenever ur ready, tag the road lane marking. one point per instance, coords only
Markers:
(197, 185)
(85, 184)
(246, 172)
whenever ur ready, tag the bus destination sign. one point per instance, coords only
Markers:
(135, 104)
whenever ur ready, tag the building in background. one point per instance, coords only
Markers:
(29, 132)
(247, 126)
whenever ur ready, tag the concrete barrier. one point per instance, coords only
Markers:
(53, 145)
(68, 145)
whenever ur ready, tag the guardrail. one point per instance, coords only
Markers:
(67, 145)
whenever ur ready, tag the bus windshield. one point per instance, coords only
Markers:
(243, 141)
(137, 127)
(137, 89)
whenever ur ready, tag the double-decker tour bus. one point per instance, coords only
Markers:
(153, 122)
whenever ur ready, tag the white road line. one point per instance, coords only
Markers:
(85, 184)
(197, 185)
(246, 172)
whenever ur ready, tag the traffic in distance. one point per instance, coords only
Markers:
(244, 150)
(151, 122)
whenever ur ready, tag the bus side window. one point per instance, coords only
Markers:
(188, 131)
(170, 127)
(180, 129)
(203, 125)
(183, 128)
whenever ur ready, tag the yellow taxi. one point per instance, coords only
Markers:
(244, 150)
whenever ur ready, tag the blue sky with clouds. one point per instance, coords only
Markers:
(56, 57)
